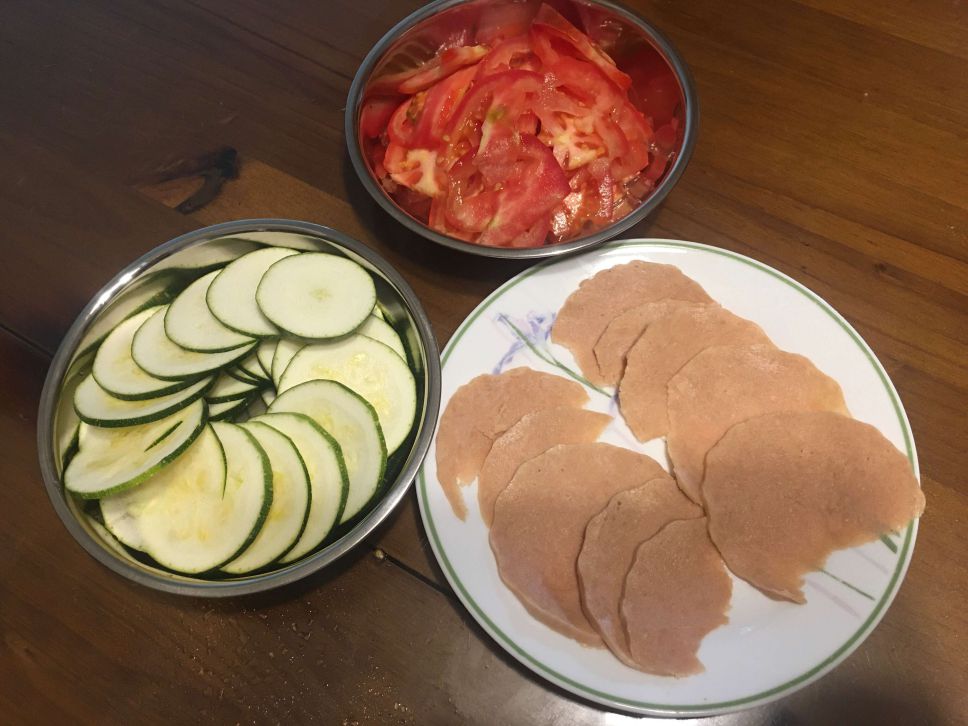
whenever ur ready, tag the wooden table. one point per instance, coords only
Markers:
(832, 146)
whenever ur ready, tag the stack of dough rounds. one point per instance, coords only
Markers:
(602, 545)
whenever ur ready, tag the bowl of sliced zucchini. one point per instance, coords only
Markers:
(239, 408)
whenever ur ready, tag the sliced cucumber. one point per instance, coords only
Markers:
(97, 407)
(268, 396)
(265, 351)
(379, 330)
(158, 355)
(378, 312)
(285, 350)
(256, 407)
(251, 366)
(327, 476)
(316, 295)
(227, 388)
(202, 510)
(112, 460)
(349, 419)
(291, 496)
(118, 374)
(367, 367)
(239, 374)
(231, 296)
(190, 324)
(227, 410)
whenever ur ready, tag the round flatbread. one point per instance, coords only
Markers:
(599, 299)
(784, 490)
(532, 435)
(667, 345)
(620, 335)
(724, 385)
(483, 409)
(611, 538)
(539, 525)
(676, 592)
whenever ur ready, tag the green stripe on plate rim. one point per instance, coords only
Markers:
(803, 679)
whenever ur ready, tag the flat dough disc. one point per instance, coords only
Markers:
(784, 490)
(539, 525)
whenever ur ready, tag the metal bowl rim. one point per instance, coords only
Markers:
(305, 567)
(690, 132)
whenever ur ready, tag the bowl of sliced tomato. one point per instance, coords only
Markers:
(521, 128)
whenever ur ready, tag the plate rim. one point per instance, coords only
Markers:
(905, 550)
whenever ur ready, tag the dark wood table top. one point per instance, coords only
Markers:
(833, 146)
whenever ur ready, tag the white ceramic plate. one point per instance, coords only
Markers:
(769, 648)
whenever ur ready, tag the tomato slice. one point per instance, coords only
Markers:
(470, 205)
(550, 25)
(415, 169)
(401, 125)
(442, 65)
(375, 115)
(512, 54)
(438, 106)
(534, 188)
(494, 101)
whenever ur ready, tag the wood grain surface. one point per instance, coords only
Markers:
(833, 146)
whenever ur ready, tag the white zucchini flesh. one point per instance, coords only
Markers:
(231, 296)
(97, 407)
(268, 396)
(227, 388)
(112, 460)
(118, 374)
(353, 423)
(291, 497)
(378, 312)
(367, 367)
(200, 512)
(316, 295)
(380, 331)
(155, 352)
(264, 352)
(225, 410)
(285, 350)
(190, 323)
(251, 366)
(327, 477)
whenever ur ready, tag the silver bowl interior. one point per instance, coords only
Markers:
(629, 39)
(156, 278)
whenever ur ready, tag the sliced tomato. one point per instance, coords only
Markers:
(470, 204)
(401, 125)
(511, 54)
(375, 115)
(438, 106)
(446, 62)
(529, 195)
(550, 25)
(498, 99)
(415, 169)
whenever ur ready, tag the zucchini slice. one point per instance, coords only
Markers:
(97, 407)
(118, 374)
(227, 410)
(115, 459)
(251, 366)
(231, 296)
(316, 295)
(285, 350)
(227, 388)
(367, 367)
(265, 351)
(379, 330)
(291, 496)
(203, 509)
(353, 423)
(327, 476)
(154, 351)
(190, 324)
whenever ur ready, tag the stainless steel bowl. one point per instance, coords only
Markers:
(417, 38)
(155, 278)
